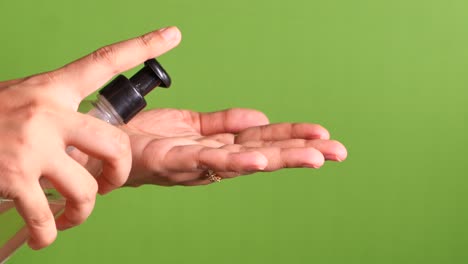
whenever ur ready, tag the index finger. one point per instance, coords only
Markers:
(10, 82)
(87, 74)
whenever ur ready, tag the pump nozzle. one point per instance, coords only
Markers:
(149, 77)
(126, 96)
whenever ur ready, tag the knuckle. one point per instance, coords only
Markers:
(12, 172)
(34, 109)
(121, 143)
(45, 240)
(40, 220)
(81, 207)
(84, 123)
(88, 197)
(201, 157)
(51, 77)
(294, 127)
(112, 182)
(6, 188)
(32, 118)
(76, 220)
(107, 56)
(155, 155)
(30, 109)
(145, 40)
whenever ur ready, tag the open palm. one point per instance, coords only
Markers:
(177, 147)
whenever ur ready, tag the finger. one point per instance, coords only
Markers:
(78, 156)
(217, 140)
(331, 149)
(34, 209)
(10, 82)
(195, 158)
(228, 121)
(279, 158)
(92, 71)
(283, 131)
(197, 182)
(79, 188)
(293, 158)
(104, 142)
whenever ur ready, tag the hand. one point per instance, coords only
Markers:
(176, 147)
(38, 119)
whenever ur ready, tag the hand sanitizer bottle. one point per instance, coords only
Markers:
(117, 103)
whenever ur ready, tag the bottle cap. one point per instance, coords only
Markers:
(127, 95)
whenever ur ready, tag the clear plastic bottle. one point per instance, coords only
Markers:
(116, 104)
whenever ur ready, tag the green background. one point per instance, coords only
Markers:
(387, 78)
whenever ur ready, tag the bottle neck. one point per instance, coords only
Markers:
(103, 110)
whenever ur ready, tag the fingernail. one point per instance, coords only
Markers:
(312, 166)
(169, 33)
(61, 224)
(333, 157)
(32, 244)
(104, 191)
(255, 168)
(63, 227)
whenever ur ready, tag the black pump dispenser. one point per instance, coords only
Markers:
(127, 95)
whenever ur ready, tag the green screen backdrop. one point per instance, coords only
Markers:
(388, 78)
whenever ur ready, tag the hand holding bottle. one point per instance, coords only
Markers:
(38, 120)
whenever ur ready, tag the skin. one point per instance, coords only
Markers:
(38, 119)
(176, 147)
